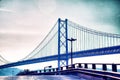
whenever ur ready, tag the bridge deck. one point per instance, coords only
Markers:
(87, 53)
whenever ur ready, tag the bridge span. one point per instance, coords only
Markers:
(94, 52)
(67, 40)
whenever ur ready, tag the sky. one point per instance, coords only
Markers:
(24, 23)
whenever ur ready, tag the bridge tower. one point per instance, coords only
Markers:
(62, 42)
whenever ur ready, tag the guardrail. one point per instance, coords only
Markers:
(91, 69)
(104, 67)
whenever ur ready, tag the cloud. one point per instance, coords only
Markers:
(13, 44)
(6, 10)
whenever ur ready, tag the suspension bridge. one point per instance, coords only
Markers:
(57, 45)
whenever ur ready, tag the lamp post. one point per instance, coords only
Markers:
(71, 40)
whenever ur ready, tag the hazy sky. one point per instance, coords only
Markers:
(24, 23)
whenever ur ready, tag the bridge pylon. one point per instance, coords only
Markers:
(62, 42)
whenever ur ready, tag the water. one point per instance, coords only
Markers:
(42, 77)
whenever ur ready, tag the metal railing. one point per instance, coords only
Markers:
(101, 67)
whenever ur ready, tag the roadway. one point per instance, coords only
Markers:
(86, 53)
